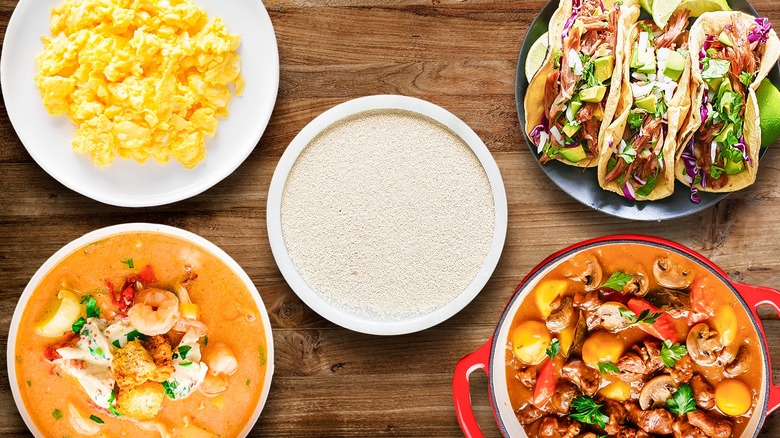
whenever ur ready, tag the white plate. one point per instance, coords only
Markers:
(129, 228)
(127, 183)
(337, 314)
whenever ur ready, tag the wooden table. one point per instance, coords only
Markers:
(330, 381)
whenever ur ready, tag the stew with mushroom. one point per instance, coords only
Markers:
(632, 341)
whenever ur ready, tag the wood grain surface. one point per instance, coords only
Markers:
(330, 381)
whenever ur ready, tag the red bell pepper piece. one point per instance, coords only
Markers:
(701, 302)
(663, 328)
(545, 383)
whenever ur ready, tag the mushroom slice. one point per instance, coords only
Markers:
(562, 316)
(656, 391)
(637, 286)
(586, 269)
(740, 364)
(703, 344)
(671, 274)
(610, 316)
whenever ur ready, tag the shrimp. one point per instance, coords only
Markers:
(154, 312)
(184, 323)
(220, 359)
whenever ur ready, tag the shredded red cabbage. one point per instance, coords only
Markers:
(691, 170)
(544, 126)
(601, 4)
(742, 148)
(761, 31)
(572, 145)
(704, 111)
(628, 191)
(575, 10)
(708, 40)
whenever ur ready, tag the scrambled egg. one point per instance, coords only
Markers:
(139, 78)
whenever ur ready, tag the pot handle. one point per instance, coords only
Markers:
(461, 390)
(756, 296)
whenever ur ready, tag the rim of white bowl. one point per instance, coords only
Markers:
(339, 315)
(113, 230)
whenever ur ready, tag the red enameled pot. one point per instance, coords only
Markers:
(491, 356)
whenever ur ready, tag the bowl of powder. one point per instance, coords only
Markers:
(387, 214)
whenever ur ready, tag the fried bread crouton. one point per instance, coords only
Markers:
(142, 402)
(132, 365)
(160, 349)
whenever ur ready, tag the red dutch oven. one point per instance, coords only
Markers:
(491, 356)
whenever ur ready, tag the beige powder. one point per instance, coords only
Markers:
(387, 214)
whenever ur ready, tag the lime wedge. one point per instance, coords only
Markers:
(769, 109)
(647, 5)
(535, 56)
(698, 7)
(663, 9)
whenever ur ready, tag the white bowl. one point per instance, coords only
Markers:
(127, 183)
(339, 315)
(125, 228)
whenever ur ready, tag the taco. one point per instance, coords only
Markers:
(637, 159)
(573, 96)
(735, 53)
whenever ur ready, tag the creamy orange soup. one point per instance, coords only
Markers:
(226, 307)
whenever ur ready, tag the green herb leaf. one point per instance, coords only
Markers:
(682, 401)
(684, 52)
(93, 311)
(57, 414)
(135, 334)
(116, 343)
(635, 119)
(248, 381)
(647, 29)
(185, 364)
(78, 325)
(29, 383)
(617, 281)
(645, 317)
(183, 350)
(97, 420)
(660, 109)
(558, 55)
(716, 171)
(611, 163)
(113, 410)
(554, 348)
(628, 155)
(128, 262)
(608, 368)
(169, 387)
(715, 68)
(585, 410)
(747, 78)
(645, 190)
(205, 341)
(261, 351)
(672, 352)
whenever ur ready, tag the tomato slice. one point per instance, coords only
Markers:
(545, 383)
(702, 304)
(663, 328)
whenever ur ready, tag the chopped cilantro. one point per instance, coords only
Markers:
(635, 119)
(247, 382)
(29, 383)
(183, 350)
(113, 410)
(746, 78)
(205, 341)
(135, 334)
(261, 351)
(716, 171)
(128, 262)
(647, 29)
(78, 325)
(93, 310)
(628, 155)
(169, 387)
(116, 343)
(660, 109)
(96, 419)
(554, 348)
(57, 414)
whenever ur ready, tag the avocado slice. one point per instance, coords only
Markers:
(635, 64)
(724, 38)
(713, 83)
(574, 154)
(570, 129)
(734, 167)
(575, 106)
(593, 94)
(647, 59)
(604, 66)
(598, 113)
(647, 103)
(720, 138)
(675, 64)
(725, 85)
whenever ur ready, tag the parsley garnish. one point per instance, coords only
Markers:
(113, 410)
(672, 352)
(608, 368)
(93, 311)
(585, 410)
(647, 29)
(682, 401)
(261, 351)
(746, 78)
(617, 281)
(169, 388)
(554, 348)
(128, 262)
(645, 317)
(135, 334)
(97, 420)
(660, 109)
(116, 343)
(57, 414)
(78, 325)
(635, 119)
(628, 155)
(183, 350)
